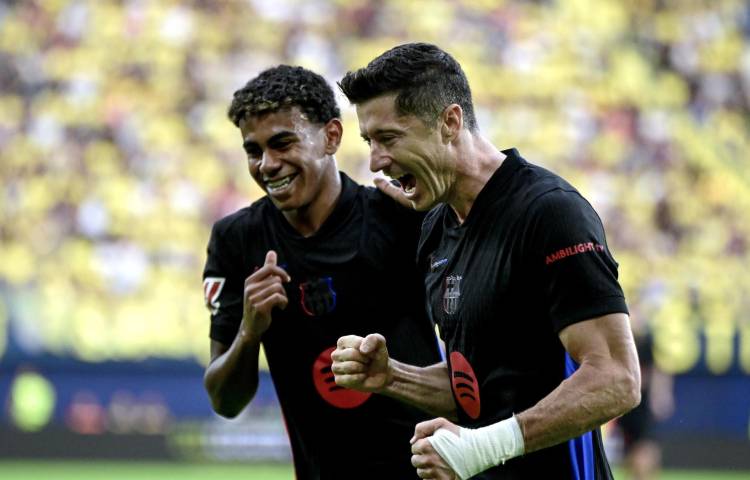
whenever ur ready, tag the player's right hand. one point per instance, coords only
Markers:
(361, 363)
(263, 291)
(393, 191)
(424, 457)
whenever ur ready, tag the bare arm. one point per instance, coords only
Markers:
(427, 388)
(606, 384)
(364, 364)
(231, 378)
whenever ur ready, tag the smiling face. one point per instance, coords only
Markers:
(406, 149)
(291, 159)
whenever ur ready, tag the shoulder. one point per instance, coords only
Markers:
(558, 210)
(244, 218)
(546, 203)
(543, 192)
(542, 184)
(558, 200)
(387, 209)
(376, 198)
(562, 207)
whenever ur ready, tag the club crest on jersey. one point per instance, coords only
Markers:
(451, 293)
(211, 290)
(317, 297)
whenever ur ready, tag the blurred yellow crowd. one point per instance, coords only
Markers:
(116, 155)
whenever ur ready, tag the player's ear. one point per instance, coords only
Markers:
(451, 122)
(333, 130)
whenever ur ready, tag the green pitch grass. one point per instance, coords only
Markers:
(100, 470)
(97, 470)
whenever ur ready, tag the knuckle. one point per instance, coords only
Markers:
(342, 368)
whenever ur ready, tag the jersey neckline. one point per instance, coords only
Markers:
(342, 209)
(502, 175)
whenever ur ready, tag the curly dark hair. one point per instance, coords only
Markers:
(284, 87)
(424, 78)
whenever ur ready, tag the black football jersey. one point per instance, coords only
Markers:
(356, 275)
(530, 259)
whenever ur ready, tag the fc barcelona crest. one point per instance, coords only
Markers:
(317, 296)
(451, 293)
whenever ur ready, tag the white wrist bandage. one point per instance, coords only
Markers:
(476, 450)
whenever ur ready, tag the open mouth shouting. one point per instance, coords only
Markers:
(279, 185)
(408, 184)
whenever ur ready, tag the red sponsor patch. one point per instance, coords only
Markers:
(465, 385)
(339, 397)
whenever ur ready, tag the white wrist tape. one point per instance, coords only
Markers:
(476, 450)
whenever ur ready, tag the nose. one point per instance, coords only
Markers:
(269, 163)
(378, 160)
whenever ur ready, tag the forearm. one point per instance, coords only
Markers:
(231, 379)
(427, 388)
(589, 398)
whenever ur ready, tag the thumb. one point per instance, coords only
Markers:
(428, 428)
(271, 258)
(372, 344)
(392, 191)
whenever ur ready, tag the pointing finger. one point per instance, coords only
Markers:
(270, 258)
(270, 267)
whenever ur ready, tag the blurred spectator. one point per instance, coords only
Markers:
(112, 110)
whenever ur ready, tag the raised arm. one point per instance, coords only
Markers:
(364, 364)
(231, 378)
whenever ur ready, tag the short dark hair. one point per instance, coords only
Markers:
(283, 87)
(424, 78)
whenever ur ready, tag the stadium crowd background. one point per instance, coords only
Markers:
(116, 155)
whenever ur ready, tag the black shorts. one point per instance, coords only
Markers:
(637, 424)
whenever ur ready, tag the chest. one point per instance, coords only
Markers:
(346, 283)
(472, 275)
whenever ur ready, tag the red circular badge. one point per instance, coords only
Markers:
(465, 385)
(324, 382)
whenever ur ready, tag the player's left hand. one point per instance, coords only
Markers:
(425, 458)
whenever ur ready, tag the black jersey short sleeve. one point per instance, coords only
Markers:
(573, 266)
(223, 286)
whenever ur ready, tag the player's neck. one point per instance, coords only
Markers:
(308, 219)
(475, 167)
